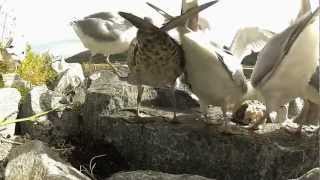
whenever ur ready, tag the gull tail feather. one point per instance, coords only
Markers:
(138, 22)
(180, 20)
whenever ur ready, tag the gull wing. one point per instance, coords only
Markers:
(97, 29)
(249, 39)
(277, 48)
(102, 15)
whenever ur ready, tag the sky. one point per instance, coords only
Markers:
(43, 22)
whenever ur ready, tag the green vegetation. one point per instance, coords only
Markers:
(1, 81)
(36, 68)
(33, 118)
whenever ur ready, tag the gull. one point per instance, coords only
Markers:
(154, 58)
(311, 96)
(104, 33)
(285, 66)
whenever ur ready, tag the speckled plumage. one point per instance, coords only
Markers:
(154, 58)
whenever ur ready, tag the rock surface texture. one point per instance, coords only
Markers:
(39, 100)
(313, 174)
(152, 175)
(191, 146)
(9, 108)
(35, 160)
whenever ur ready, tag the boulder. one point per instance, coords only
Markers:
(35, 160)
(71, 75)
(191, 146)
(151, 175)
(9, 108)
(5, 147)
(195, 148)
(53, 125)
(13, 80)
(108, 95)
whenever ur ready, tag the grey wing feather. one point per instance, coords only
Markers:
(132, 53)
(233, 68)
(222, 61)
(101, 15)
(98, 29)
(276, 49)
(314, 81)
(249, 39)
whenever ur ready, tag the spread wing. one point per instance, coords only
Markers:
(249, 39)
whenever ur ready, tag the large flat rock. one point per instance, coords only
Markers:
(195, 148)
(190, 147)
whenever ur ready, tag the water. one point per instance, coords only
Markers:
(64, 48)
(45, 24)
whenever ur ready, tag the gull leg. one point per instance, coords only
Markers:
(174, 104)
(204, 111)
(139, 97)
(91, 60)
(112, 67)
(301, 119)
(226, 119)
(282, 114)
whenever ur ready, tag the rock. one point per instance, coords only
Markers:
(9, 108)
(72, 75)
(313, 116)
(35, 160)
(70, 81)
(5, 148)
(295, 107)
(191, 146)
(195, 148)
(83, 57)
(53, 125)
(151, 175)
(108, 95)
(313, 174)
(13, 80)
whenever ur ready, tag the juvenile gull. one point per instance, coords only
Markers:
(154, 58)
(104, 33)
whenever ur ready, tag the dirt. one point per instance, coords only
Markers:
(108, 160)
